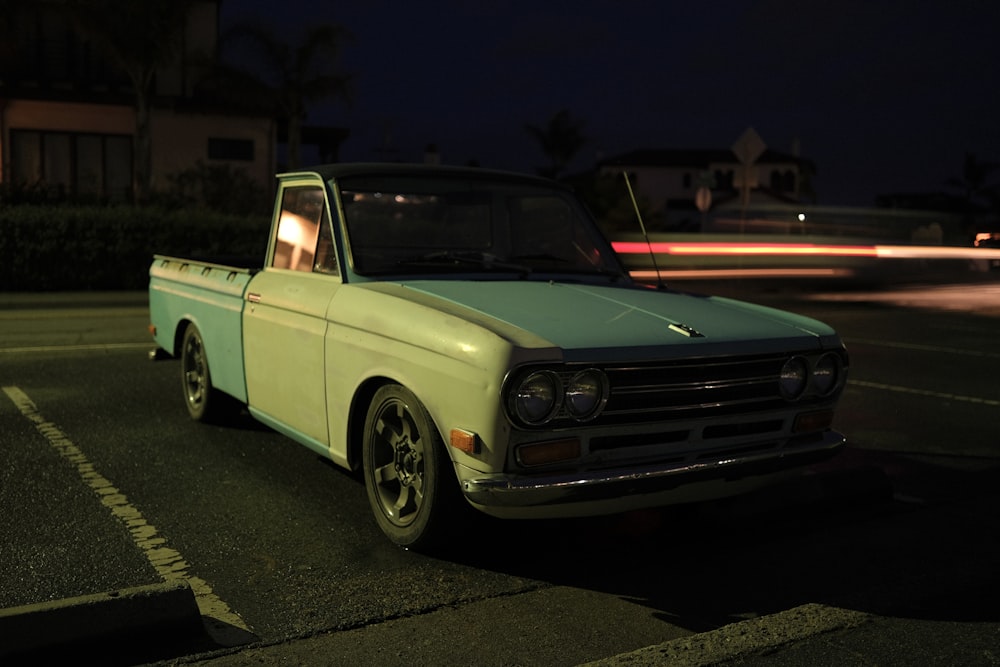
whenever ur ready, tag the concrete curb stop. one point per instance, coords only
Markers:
(739, 639)
(143, 615)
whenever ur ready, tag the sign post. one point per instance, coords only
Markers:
(703, 200)
(747, 149)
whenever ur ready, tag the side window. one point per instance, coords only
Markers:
(326, 252)
(305, 239)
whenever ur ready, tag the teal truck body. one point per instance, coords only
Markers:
(468, 338)
(210, 296)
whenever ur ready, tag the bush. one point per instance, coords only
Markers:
(218, 187)
(66, 247)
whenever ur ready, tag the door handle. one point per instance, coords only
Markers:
(253, 297)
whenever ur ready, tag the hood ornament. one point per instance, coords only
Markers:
(685, 330)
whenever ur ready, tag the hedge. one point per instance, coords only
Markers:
(89, 248)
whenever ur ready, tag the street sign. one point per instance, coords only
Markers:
(703, 198)
(749, 147)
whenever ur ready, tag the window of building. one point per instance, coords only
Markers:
(783, 181)
(788, 181)
(89, 178)
(43, 48)
(73, 164)
(26, 157)
(230, 149)
(724, 180)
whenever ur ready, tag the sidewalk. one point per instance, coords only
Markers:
(50, 300)
(811, 634)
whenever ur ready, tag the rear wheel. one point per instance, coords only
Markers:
(200, 397)
(410, 489)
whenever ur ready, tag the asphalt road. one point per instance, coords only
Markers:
(106, 485)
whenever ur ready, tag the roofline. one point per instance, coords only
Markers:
(349, 169)
(693, 157)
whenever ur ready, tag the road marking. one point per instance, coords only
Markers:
(168, 563)
(78, 348)
(924, 392)
(922, 348)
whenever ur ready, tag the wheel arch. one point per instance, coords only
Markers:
(182, 326)
(360, 404)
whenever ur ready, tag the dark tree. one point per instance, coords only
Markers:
(139, 37)
(560, 140)
(978, 191)
(292, 77)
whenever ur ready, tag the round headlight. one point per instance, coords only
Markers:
(537, 397)
(826, 374)
(793, 379)
(586, 394)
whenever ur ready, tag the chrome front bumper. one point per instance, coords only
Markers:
(522, 491)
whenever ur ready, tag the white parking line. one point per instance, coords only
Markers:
(168, 563)
(924, 392)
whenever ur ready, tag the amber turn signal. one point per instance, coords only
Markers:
(463, 440)
(813, 421)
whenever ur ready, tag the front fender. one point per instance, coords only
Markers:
(455, 367)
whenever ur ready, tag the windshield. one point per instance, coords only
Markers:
(418, 225)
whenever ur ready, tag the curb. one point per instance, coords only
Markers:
(139, 614)
(754, 636)
(50, 300)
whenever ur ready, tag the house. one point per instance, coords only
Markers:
(668, 180)
(68, 114)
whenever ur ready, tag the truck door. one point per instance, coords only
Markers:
(284, 319)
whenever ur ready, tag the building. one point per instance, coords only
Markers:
(68, 114)
(668, 181)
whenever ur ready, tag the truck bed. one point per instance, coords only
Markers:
(210, 296)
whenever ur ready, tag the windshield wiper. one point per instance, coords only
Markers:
(542, 256)
(451, 258)
(591, 269)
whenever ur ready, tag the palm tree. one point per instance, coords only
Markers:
(560, 140)
(140, 37)
(974, 182)
(977, 190)
(292, 77)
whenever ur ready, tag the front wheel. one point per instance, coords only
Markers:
(406, 473)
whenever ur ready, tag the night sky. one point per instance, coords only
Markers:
(883, 96)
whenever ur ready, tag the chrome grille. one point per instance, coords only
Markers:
(687, 389)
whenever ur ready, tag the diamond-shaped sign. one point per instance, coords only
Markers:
(749, 146)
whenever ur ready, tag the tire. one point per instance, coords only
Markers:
(410, 488)
(200, 397)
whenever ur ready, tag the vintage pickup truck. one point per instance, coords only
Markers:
(467, 337)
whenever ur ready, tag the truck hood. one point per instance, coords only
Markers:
(576, 316)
